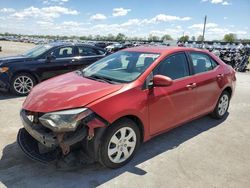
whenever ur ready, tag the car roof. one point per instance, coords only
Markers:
(61, 44)
(162, 49)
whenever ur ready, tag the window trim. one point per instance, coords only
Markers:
(211, 59)
(203, 53)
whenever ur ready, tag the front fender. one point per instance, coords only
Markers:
(132, 102)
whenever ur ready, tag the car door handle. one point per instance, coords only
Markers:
(74, 60)
(191, 86)
(219, 76)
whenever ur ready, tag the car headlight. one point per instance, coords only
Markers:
(4, 69)
(66, 120)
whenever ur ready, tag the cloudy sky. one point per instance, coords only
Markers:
(131, 17)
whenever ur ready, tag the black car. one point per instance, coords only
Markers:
(21, 73)
(100, 44)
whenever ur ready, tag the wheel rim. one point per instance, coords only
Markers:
(23, 84)
(121, 145)
(223, 104)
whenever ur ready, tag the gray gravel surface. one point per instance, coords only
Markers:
(202, 153)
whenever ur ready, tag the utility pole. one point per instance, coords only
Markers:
(204, 28)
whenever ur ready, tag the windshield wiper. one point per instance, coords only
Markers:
(101, 78)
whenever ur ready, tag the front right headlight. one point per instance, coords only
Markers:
(65, 120)
(4, 69)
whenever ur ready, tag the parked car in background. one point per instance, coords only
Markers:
(109, 108)
(115, 47)
(100, 44)
(22, 72)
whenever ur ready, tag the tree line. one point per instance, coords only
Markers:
(231, 37)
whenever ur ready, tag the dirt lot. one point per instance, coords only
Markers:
(14, 48)
(203, 153)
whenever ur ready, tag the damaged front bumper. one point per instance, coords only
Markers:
(32, 148)
(42, 144)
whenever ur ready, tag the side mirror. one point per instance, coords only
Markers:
(50, 57)
(162, 81)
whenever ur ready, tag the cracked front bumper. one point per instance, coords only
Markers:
(41, 144)
(30, 147)
(39, 133)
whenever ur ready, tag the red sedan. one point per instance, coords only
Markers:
(109, 108)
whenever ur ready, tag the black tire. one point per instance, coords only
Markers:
(216, 113)
(104, 158)
(15, 90)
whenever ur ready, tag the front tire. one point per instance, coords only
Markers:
(22, 84)
(120, 143)
(221, 106)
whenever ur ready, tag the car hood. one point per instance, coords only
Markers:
(12, 59)
(67, 91)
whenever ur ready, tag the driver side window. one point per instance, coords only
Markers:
(175, 67)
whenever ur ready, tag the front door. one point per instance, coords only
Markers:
(61, 64)
(172, 105)
(86, 56)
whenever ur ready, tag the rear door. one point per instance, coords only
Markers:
(172, 105)
(86, 55)
(207, 75)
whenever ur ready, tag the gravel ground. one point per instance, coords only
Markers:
(14, 48)
(202, 153)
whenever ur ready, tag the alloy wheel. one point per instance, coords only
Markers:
(23, 84)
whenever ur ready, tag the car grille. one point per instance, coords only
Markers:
(34, 119)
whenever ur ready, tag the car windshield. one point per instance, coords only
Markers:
(120, 67)
(37, 51)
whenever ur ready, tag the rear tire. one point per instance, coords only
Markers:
(22, 84)
(221, 106)
(119, 144)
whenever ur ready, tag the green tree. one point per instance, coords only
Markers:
(153, 38)
(230, 37)
(98, 37)
(110, 37)
(245, 40)
(120, 37)
(193, 38)
(83, 38)
(184, 38)
(200, 38)
(166, 37)
(90, 37)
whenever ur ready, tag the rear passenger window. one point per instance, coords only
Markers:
(87, 51)
(101, 52)
(202, 62)
(175, 66)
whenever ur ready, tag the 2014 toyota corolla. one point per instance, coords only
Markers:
(115, 104)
